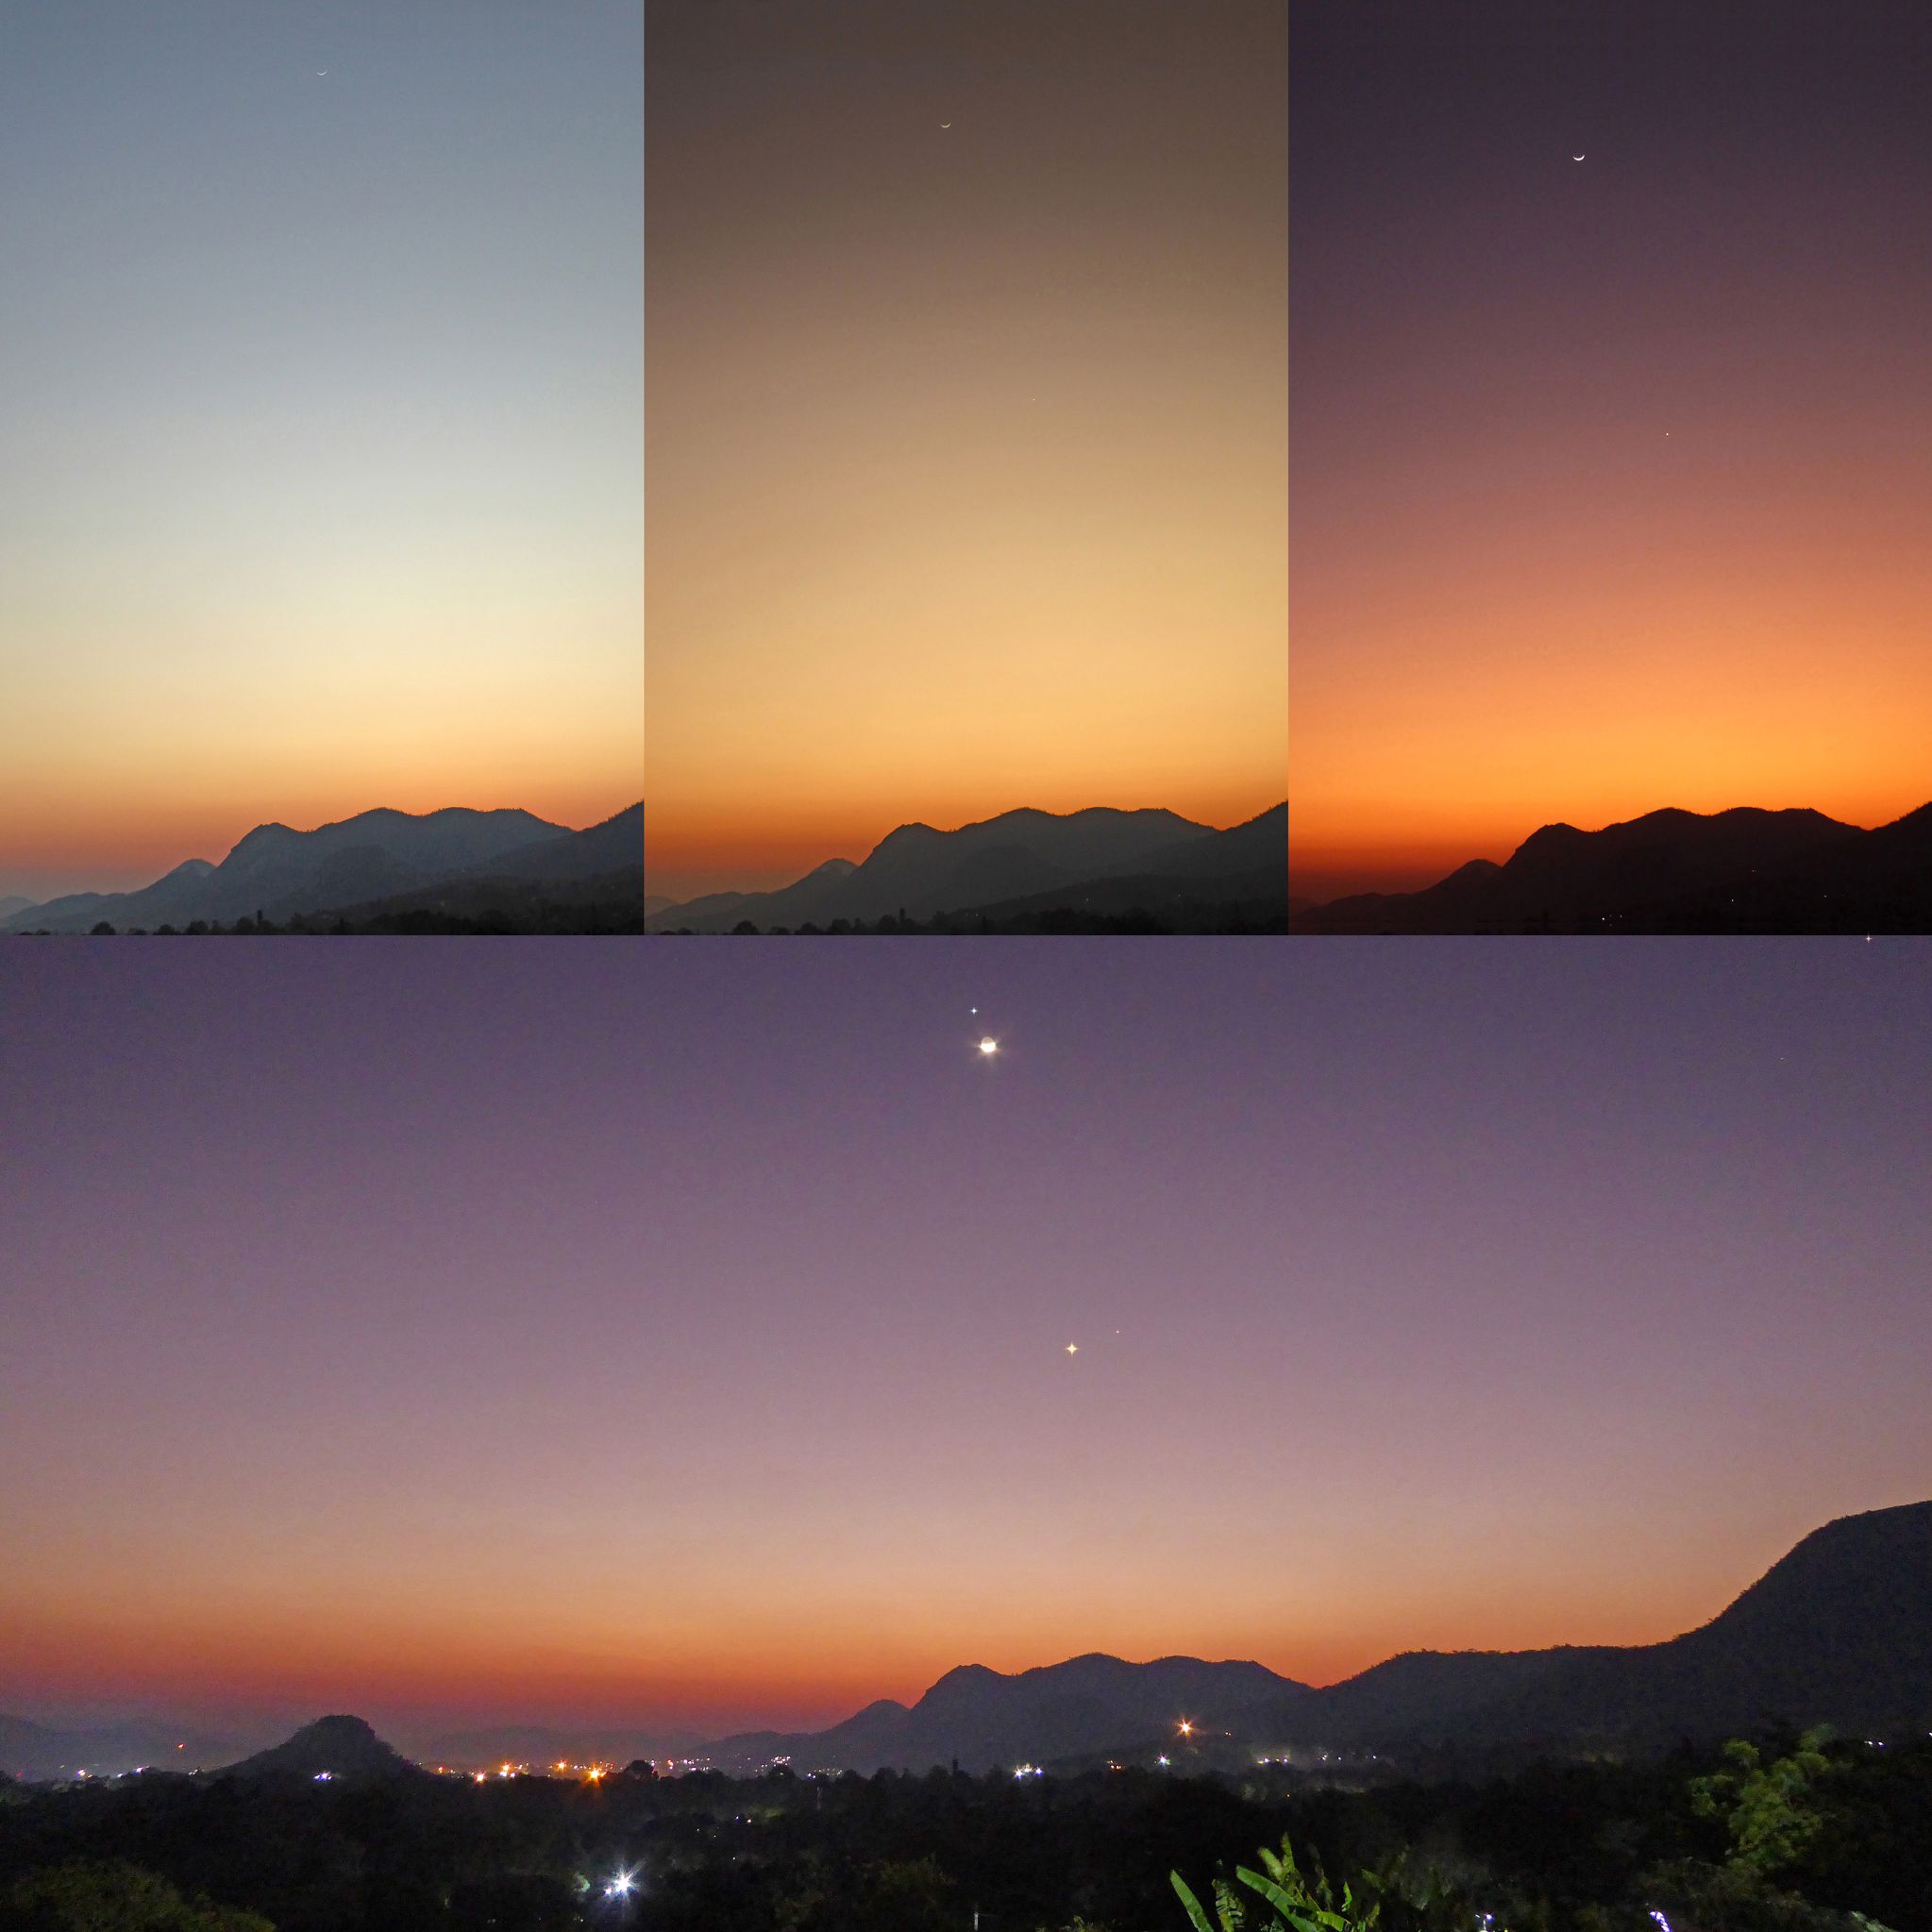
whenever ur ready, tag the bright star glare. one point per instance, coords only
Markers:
(989, 1045)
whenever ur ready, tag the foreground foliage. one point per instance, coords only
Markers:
(1788, 1835)
(113, 1896)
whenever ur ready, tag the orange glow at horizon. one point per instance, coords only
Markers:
(114, 807)
(1611, 481)
(1593, 630)
(710, 1658)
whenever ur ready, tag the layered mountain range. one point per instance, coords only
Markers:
(1744, 871)
(377, 861)
(1002, 871)
(1838, 1630)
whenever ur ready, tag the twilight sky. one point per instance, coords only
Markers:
(1612, 477)
(320, 484)
(575, 1330)
(965, 448)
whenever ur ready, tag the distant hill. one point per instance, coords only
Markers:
(589, 881)
(1102, 859)
(983, 1717)
(341, 1747)
(1200, 880)
(373, 856)
(13, 904)
(1744, 871)
(1838, 1630)
(615, 846)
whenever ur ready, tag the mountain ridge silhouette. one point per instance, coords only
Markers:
(1744, 870)
(368, 858)
(1021, 859)
(1838, 1629)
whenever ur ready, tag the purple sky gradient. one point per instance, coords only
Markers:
(670, 1332)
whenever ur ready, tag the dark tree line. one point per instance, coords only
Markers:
(1794, 1839)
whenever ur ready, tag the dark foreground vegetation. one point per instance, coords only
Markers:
(1788, 1835)
(1190, 918)
(513, 916)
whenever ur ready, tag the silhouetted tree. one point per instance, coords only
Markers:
(115, 1897)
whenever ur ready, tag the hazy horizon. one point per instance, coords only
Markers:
(405, 1723)
(135, 878)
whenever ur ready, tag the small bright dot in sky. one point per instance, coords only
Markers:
(989, 1045)
(1073, 1348)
